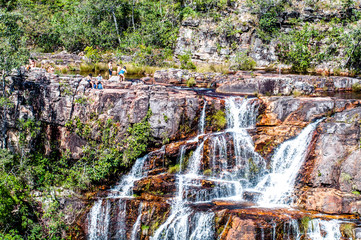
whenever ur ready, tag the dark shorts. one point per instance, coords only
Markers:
(110, 72)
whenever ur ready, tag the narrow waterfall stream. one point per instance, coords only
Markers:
(234, 167)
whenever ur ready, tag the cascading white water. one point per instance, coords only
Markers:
(225, 178)
(99, 220)
(195, 160)
(124, 188)
(323, 230)
(121, 234)
(241, 113)
(99, 215)
(182, 151)
(202, 120)
(204, 228)
(226, 175)
(277, 186)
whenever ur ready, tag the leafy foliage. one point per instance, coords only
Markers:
(268, 13)
(186, 61)
(244, 62)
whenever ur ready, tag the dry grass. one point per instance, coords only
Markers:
(141, 70)
(218, 68)
(87, 67)
(101, 66)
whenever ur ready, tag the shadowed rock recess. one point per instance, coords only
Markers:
(218, 166)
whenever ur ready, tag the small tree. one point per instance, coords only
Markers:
(13, 54)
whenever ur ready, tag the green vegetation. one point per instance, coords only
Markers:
(218, 120)
(268, 13)
(191, 82)
(186, 62)
(104, 156)
(244, 62)
(174, 169)
(356, 87)
(348, 230)
(304, 224)
(207, 172)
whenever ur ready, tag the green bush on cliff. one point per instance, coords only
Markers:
(295, 48)
(244, 62)
(356, 87)
(268, 13)
(186, 61)
(218, 120)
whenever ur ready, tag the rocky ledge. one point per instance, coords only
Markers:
(258, 82)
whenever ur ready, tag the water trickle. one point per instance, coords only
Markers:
(323, 230)
(202, 120)
(195, 160)
(286, 163)
(181, 157)
(136, 227)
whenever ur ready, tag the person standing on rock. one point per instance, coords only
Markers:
(110, 69)
(121, 73)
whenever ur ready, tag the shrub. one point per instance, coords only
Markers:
(299, 49)
(93, 54)
(87, 67)
(191, 82)
(186, 61)
(356, 87)
(244, 62)
(218, 120)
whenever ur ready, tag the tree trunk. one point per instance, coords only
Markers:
(4, 125)
(133, 16)
(116, 26)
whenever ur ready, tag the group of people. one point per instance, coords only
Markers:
(120, 71)
(97, 84)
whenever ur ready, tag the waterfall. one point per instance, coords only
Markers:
(242, 115)
(222, 167)
(99, 220)
(184, 222)
(124, 188)
(99, 215)
(121, 218)
(277, 186)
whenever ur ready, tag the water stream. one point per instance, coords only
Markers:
(233, 167)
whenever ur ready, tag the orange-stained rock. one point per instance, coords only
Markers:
(163, 184)
(330, 201)
(241, 230)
